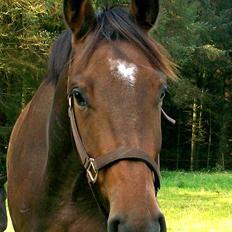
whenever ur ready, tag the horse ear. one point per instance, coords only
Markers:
(145, 12)
(79, 15)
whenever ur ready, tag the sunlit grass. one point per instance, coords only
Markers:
(10, 226)
(195, 202)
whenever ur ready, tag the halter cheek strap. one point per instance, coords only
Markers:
(171, 120)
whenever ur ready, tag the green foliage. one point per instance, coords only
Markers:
(196, 33)
(27, 31)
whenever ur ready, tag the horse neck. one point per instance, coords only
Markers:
(59, 129)
(63, 178)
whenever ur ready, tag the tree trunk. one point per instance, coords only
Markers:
(194, 136)
(225, 145)
(200, 135)
(23, 91)
(209, 141)
(178, 146)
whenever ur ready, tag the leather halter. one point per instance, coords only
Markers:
(94, 165)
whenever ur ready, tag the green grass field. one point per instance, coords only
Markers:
(195, 202)
(199, 202)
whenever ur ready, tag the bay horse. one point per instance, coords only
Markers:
(82, 153)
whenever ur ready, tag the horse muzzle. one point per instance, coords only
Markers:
(132, 199)
(121, 223)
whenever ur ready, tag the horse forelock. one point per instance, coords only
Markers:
(113, 24)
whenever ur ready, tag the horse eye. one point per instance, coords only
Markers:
(80, 99)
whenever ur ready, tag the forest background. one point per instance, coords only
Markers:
(197, 34)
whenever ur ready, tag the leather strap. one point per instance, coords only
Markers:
(171, 120)
(128, 154)
(76, 135)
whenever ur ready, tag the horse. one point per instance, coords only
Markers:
(82, 154)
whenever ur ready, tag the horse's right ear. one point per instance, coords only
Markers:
(79, 15)
(145, 12)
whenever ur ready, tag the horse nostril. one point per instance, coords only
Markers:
(162, 223)
(118, 224)
(113, 223)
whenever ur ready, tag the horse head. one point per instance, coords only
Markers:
(116, 83)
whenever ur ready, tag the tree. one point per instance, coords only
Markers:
(27, 29)
(194, 32)
(198, 36)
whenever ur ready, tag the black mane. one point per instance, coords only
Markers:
(115, 23)
(59, 57)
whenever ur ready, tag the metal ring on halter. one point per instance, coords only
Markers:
(92, 173)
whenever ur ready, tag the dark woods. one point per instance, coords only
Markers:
(198, 36)
(200, 40)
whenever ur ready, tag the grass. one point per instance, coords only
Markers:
(197, 201)
(193, 202)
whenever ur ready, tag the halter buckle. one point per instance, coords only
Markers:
(92, 173)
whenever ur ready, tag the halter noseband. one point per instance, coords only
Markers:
(94, 165)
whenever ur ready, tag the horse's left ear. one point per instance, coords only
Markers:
(79, 15)
(145, 12)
